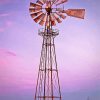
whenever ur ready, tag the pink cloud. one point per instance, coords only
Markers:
(6, 52)
(15, 72)
(4, 15)
(7, 24)
(1, 30)
(11, 53)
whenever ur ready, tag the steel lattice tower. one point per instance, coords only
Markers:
(48, 86)
(46, 12)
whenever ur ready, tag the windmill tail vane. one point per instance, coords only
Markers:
(48, 13)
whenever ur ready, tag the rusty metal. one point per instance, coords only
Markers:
(33, 15)
(34, 10)
(57, 17)
(39, 17)
(61, 2)
(53, 22)
(40, 2)
(35, 5)
(79, 13)
(43, 20)
(61, 15)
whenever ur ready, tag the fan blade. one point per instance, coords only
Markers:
(55, 1)
(48, 4)
(40, 2)
(53, 23)
(32, 10)
(61, 15)
(52, 2)
(35, 5)
(78, 13)
(61, 2)
(33, 15)
(43, 20)
(59, 9)
(56, 17)
(39, 17)
(44, 1)
(47, 21)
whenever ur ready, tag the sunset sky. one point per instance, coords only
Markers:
(77, 49)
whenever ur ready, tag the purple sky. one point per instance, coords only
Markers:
(77, 48)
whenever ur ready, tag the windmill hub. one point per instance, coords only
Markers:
(48, 10)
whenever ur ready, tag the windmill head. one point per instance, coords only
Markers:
(48, 12)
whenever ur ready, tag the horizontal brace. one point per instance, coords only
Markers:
(47, 97)
(48, 44)
(48, 69)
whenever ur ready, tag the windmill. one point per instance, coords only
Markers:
(48, 13)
